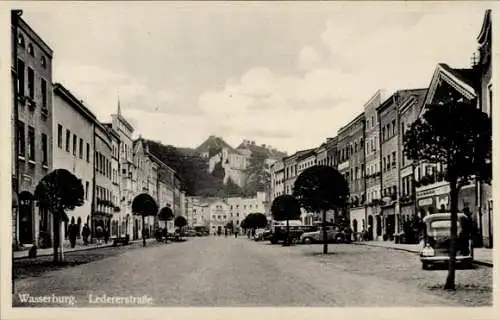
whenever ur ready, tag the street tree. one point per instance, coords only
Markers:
(285, 208)
(320, 189)
(166, 214)
(59, 191)
(144, 205)
(258, 220)
(180, 222)
(454, 133)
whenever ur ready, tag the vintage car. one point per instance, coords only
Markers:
(435, 245)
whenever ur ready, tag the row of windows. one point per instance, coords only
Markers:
(78, 143)
(389, 131)
(307, 164)
(30, 151)
(389, 161)
(31, 50)
(102, 164)
(347, 151)
(21, 81)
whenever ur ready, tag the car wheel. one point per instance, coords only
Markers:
(307, 241)
(426, 266)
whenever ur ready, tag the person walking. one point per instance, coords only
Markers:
(99, 232)
(106, 235)
(235, 233)
(72, 233)
(85, 234)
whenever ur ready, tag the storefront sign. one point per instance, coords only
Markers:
(425, 202)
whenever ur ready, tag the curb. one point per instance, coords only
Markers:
(478, 262)
(76, 250)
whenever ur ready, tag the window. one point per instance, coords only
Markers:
(383, 134)
(88, 152)
(74, 144)
(44, 150)
(31, 143)
(43, 84)
(21, 138)
(59, 136)
(80, 149)
(31, 51)
(20, 77)
(402, 128)
(385, 163)
(68, 139)
(43, 61)
(394, 159)
(393, 127)
(31, 83)
(373, 121)
(20, 41)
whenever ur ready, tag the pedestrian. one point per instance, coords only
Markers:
(72, 232)
(85, 234)
(236, 233)
(225, 233)
(106, 235)
(99, 231)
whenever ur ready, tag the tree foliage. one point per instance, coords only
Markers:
(180, 222)
(454, 133)
(285, 207)
(321, 188)
(166, 214)
(59, 191)
(144, 205)
(256, 220)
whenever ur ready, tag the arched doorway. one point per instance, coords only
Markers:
(26, 200)
(370, 227)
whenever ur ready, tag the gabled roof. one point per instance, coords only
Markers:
(464, 81)
(212, 142)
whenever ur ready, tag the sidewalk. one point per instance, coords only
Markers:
(67, 248)
(482, 256)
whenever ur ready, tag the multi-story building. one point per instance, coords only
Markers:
(126, 165)
(485, 205)
(118, 222)
(372, 166)
(408, 113)
(218, 211)
(240, 207)
(32, 129)
(277, 180)
(73, 147)
(353, 137)
(103, 207)
(390, 150)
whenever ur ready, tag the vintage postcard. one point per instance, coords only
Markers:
(248, 154)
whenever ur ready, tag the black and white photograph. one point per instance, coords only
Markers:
(249, 154)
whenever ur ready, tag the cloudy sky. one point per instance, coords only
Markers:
(285, 74)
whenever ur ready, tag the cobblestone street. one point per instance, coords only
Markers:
(219, 271)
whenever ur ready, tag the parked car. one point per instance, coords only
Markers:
(333, 235)
(435, 245)
(259, 234)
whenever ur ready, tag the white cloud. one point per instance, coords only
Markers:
(308, 58)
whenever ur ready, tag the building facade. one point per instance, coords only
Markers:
(32, 131)
(126, 165)
(103, 206)
(118, 222)
(277, 180)
(73, 147)
(408, 113)
(485, 205)
(373, 168)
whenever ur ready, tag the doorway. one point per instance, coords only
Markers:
(26, 217)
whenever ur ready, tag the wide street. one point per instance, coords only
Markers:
(219, 271)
